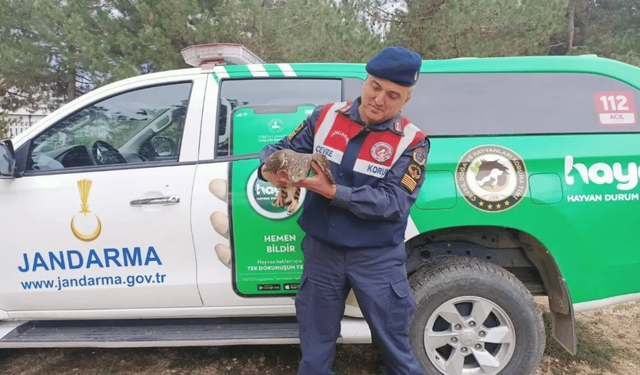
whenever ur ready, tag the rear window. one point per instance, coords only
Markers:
(521, 103)
(257, 112)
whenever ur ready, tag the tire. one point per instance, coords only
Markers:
(447, 335)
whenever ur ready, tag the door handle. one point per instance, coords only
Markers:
(158, 200)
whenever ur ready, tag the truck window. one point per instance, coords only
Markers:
(521, 103)
(141, 126)
(257, 112)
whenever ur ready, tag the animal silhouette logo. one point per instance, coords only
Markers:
(492, 178)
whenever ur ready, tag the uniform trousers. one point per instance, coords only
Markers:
(379, 279)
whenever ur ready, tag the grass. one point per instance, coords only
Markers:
(594, 348)
(193, 357)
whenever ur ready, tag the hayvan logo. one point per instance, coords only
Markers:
(602, 173)
(261, 195)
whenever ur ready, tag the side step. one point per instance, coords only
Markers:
(167, 332)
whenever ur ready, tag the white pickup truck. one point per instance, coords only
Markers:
(133, 215)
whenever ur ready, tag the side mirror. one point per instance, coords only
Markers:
(7, 159)
(164, 146)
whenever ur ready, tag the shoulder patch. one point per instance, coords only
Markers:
(411, 176)
(420, 155)
(297, 130)
(397, 127)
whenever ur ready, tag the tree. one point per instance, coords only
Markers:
(613, 28)
(297, 30)
(464, 28)
(56, 50)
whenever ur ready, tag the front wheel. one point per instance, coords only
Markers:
(475, 318)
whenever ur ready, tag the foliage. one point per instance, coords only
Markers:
(298, 30)
(613, 29)
(56, 50)
(52, 51)
(472, 28)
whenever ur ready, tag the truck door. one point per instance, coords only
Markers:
(253, 247)
(101, 217)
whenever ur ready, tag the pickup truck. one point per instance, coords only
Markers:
(133, 215)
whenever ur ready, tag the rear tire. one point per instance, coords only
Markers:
(474, 318)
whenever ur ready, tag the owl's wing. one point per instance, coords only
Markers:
(325, 166)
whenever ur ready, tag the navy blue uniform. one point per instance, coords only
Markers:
(356, 240)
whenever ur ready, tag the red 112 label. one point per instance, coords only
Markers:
(615, 107)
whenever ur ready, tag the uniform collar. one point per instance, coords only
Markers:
(394, 124)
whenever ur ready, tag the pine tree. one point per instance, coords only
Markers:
(613, 29)
(55, 50)
(298, 30)
(476, 28)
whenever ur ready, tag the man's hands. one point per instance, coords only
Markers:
(318, 183)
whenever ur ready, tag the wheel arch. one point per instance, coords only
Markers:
(517, 251)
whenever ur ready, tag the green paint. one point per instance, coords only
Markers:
(238, 71)
(594, 242)
(273, 70)
(438, 191)
(587, 221)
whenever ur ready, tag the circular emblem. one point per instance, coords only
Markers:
(261, 195)
(275, 126)
(381, 152)
(492, 178)
(415, 171)
(420, 155)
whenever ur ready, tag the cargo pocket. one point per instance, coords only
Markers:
(400, 308)
(302, 304)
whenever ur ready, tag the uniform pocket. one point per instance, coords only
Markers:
(400, 309)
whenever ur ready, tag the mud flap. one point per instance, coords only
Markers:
(563, 318)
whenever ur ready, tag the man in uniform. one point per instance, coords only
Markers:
(355, 228)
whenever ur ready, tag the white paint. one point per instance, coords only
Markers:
(411, 231)
(287, 70)
(598, 304)
(221, 71)
(258, 70)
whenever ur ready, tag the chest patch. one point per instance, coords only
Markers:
(381, 152)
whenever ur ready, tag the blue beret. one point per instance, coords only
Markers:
(397, 64)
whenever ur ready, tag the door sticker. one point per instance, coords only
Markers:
(85, 266)
(615, 108)
(266, 255)
(492, 178)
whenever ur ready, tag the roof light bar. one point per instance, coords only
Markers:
(219, 54)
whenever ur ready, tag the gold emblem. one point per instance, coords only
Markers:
(85, 221)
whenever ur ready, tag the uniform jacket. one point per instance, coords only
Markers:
(378, 169)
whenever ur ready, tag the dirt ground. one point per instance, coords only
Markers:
(608, 344)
